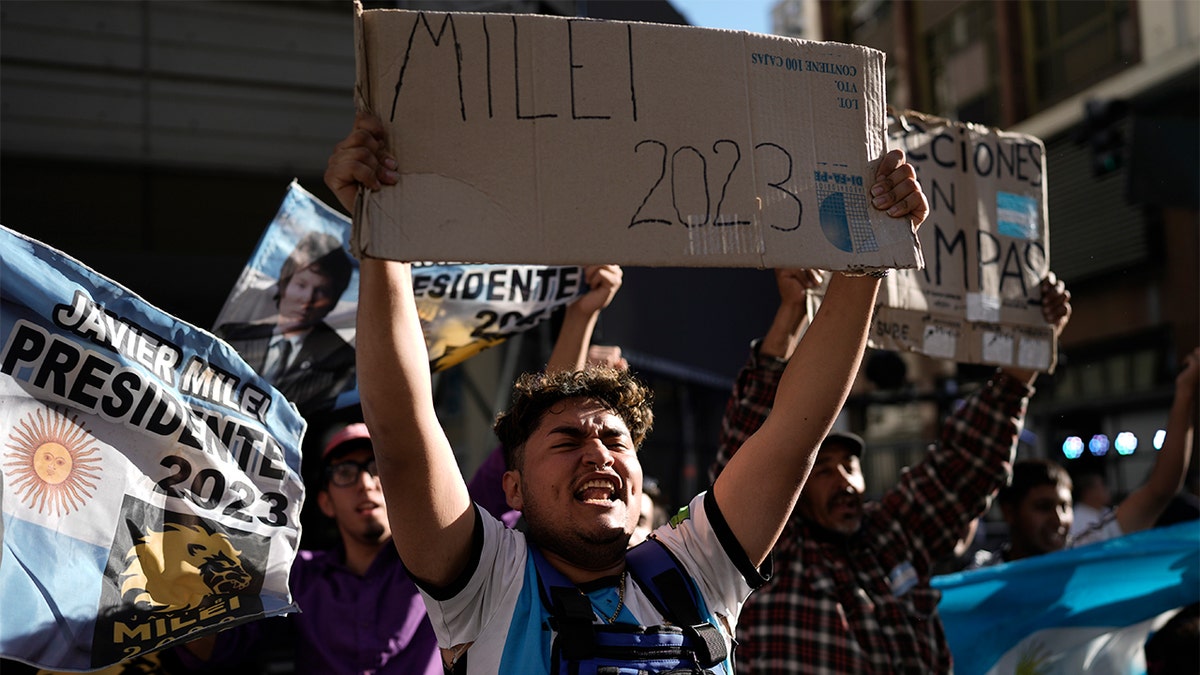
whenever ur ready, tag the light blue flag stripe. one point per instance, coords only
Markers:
(1115, 583)
(50, 579)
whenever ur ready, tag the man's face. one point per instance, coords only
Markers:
(833, 495)
(579, 485)
(306, 299)
(1041, 521)
(358, 509)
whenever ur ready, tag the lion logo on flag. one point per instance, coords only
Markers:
(182, 566)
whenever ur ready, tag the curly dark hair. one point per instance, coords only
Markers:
(535, 393)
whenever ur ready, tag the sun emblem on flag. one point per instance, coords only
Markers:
(53, 464)
(1032, 659)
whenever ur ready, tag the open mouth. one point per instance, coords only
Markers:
(845, 502)
(597, 491)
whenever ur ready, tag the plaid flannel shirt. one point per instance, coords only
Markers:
(863, 604)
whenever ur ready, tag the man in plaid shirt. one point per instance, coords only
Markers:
(850, 593)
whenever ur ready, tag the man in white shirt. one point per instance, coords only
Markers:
(571, 441)
(1093, 501)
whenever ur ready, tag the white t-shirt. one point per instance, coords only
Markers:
(1103, 529)
(1086, 517)
(495, 606)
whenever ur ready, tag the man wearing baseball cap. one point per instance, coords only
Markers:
(828, 503)
(363, 612)
(359, 611)
(851, 592)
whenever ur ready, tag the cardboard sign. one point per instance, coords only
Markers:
(540, 139)
(986, 244)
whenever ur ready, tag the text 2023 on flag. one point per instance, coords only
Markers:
(151, 480)
(1087, 609)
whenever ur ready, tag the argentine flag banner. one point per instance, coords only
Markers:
(151, 485)
(1083, 610)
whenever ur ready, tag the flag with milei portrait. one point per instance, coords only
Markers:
(151, 486)
(1083, 610)
(301, 283)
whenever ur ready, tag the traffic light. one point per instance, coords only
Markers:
(1103, 130)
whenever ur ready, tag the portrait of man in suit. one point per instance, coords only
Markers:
(297, 352)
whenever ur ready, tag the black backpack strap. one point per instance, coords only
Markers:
(570, 609)
(674, 595)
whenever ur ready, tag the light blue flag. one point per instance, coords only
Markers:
(150, 486)
(464, 308)
(1088, 609)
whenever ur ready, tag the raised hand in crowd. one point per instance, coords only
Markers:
(361, 160)
(1146, 503)
(791, 316)
(606, 356)
(1056, 310)
(579, 319)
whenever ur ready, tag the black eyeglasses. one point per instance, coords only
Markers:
(346, 473)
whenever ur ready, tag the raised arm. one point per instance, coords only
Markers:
(428, 505)
(791, 316)
(754, 390)
(606, 356)
(1145, 504)
(758, 488)
(1056, 310)
(579, 320)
